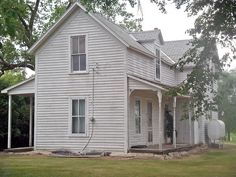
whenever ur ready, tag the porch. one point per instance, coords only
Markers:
(157, 122)
(166, 148)
(26, 89)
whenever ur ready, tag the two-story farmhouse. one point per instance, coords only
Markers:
(99, 87)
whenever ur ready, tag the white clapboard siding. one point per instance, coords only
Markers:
(181, 76)
(182, 121)
(55, 86)
(142, 139)
(140, 65)
(25, 88)
(167, 75)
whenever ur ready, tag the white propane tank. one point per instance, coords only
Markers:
(216, 129)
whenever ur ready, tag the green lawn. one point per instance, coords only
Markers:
(215, 163)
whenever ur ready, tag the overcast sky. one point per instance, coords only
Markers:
(173, 24)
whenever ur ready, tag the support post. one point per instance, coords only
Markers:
(190, 125)
(159, 95)
(9, 121)
(30, 121)
(174, 122)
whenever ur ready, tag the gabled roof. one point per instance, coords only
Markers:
(114, 29)
(176, 49)
(6, 90)
(143, 36)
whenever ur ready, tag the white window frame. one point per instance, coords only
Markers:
(86, 117)
(140, 100)
(158, 79)
(70, 55)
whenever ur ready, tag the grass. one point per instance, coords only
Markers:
(215, 163)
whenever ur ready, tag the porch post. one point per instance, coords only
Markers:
(190, 125)
(30, 121)
(159, 94)
(174, 122)
(9, 121)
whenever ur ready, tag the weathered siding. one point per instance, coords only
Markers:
(140, 65)
(167, 75)
(142, 139)
(55, 86)
(182, 126)
(181, 76)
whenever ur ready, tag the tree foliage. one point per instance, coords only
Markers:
(214, 26)
(20, 113)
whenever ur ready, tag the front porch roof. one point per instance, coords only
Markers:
(143, 84)
(23, 88)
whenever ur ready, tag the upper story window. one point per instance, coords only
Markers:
(158, 64)
(78, 116)
(78, 54)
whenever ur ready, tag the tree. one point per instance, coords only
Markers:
(20, 112)
(23, 22)
(227, 100)
(215, 26)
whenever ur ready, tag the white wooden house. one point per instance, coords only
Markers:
(99, 87)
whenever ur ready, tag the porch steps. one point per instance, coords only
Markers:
(164, 151)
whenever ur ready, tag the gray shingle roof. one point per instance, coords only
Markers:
(122, 34)
(148, 35)
(176, 49)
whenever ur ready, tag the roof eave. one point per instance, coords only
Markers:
(142, 52)
(6, 90)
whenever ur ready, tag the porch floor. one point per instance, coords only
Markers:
(166, 148)
(19, 149)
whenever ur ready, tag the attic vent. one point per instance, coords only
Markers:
(156, 29)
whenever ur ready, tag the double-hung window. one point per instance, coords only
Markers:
(137, 116)
(78, 54)
(78, 124)
(158, 64)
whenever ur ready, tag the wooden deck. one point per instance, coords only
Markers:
(166, 148)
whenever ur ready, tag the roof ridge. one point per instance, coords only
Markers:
(179, 40)
(145, 31)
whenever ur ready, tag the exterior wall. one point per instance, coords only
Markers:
(140, 65)
(181, 76)
(167, 75)
(55, 87)
(182, 122)
(144, 67)
(182, 126)
(142, 139)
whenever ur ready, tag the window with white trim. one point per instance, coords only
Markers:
(137, 116)
(78, 54)
(158, 64)
(78, 116)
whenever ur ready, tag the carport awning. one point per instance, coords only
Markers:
(23, 88)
